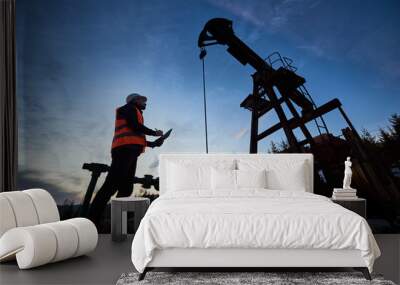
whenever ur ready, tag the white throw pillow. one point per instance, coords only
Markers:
(223, 179)
(281, 174)
(181, 177)
(293, 178)
(251, 178)
(193, 174)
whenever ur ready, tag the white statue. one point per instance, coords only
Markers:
(347, 174)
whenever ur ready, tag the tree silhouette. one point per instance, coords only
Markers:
(386, 144)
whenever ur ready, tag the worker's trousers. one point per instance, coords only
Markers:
(119, 179)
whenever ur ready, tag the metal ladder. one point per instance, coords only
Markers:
(275, 60)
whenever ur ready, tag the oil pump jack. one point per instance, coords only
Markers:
(274, 87)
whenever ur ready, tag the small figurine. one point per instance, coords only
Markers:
(347, 174)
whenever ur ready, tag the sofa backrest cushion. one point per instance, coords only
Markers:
(26, 208)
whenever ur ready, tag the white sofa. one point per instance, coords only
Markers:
(31, 231)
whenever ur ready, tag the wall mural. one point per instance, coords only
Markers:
(104, 88)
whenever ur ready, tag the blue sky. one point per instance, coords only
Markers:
(77, 61)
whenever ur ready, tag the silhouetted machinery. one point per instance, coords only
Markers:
(275, 84)
(97, 169)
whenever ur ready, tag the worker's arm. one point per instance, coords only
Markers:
(128, 114)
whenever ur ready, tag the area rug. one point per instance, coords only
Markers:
(253, 278)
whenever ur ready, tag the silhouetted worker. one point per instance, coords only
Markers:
(128, 143)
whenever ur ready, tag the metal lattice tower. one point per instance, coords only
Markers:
(276, 61)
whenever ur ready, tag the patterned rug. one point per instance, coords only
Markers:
(253, 278)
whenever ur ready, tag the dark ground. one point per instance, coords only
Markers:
(102, 266)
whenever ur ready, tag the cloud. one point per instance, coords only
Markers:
(314, 49)
(139, 191)
(180, 128)
(59, 185)
(154, 164)
(241, 133)
(271, 15)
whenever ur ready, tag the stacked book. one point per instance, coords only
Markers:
(344, 194)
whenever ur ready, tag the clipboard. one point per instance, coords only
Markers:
(166, 135)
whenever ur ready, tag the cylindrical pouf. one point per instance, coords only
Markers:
(34, 245)
(46, 207)
(67, 240)
(87, 235)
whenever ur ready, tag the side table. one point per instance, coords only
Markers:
(357, 205)
(119, 209)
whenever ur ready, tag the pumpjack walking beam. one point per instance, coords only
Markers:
(219, 31)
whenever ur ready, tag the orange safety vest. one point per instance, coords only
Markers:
(123, 135)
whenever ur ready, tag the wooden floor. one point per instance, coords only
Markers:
(103, 266)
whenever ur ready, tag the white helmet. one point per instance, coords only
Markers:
(134, 97)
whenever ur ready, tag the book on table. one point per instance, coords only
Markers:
(341, 190)
(344, 197)
(344, 194)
